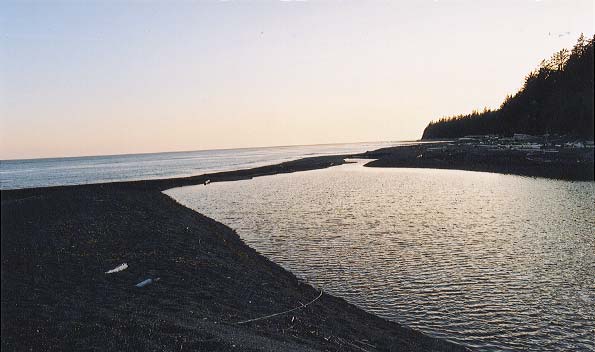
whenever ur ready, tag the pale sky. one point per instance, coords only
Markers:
(92, 78)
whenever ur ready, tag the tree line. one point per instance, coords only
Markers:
(556, 98)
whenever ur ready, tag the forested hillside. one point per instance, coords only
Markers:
(556, 98)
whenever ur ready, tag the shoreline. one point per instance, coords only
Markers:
(57, 243)
(556, 158)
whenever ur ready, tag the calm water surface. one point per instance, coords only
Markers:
(495, 262)
(98, 169)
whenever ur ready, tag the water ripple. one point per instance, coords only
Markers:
(491, 261)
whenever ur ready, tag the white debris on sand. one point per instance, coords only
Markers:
(117, 269)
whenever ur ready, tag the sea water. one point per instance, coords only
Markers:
(98, 169)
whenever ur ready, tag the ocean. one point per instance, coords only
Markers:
(99, 169)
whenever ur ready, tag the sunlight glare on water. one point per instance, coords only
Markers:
(496, 262)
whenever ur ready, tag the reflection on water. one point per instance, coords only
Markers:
(493, 261)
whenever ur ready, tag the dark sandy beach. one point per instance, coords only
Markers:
(57, 243)
(550, 157)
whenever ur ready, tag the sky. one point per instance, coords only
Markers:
(114, 77)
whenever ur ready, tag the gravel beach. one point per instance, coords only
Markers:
(58, 242)
(213, 292)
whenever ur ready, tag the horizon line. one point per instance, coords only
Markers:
(197, 150)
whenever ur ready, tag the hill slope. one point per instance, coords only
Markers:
(557, 98)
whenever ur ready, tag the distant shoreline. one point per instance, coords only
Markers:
(562, 158)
